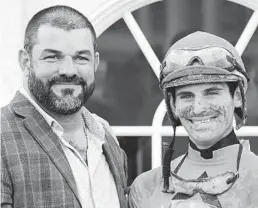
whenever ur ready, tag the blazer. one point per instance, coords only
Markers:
(34, 169)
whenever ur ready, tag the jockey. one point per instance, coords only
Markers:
(204, 83)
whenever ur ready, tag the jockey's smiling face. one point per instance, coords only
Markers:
(206, 111)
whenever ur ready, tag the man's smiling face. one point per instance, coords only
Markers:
(206, 111)
(62, 71)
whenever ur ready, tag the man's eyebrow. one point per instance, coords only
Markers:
(87, 52)
(48, 50)
(215, 88)
(183, 93)
(206, 90)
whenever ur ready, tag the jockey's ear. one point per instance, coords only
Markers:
(237, 98)
(172, 103)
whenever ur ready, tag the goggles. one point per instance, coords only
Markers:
(209, 64)
(212, 185)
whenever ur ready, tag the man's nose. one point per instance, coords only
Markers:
(67, 67)
(198, 106)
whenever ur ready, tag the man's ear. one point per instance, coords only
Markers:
(237, 98)
(24, 61)
(96, 64)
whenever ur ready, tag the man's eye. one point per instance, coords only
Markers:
(211, 93)
(81, 58)
(51, 58)
(186, 96)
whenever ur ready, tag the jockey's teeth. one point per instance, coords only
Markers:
(202, 121)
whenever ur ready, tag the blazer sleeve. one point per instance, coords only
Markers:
(125, 164)
(6, 187)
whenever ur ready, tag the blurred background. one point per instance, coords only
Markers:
(127, 91)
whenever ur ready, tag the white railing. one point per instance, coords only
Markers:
(141, 131)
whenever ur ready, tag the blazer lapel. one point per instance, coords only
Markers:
(46, 138)
(112, 162)
(112, 156)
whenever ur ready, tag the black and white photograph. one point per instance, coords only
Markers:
(129, 103)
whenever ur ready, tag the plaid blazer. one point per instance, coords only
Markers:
(34, 169)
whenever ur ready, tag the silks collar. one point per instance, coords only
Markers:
(230, 139)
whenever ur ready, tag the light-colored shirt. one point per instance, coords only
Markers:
(95, 183)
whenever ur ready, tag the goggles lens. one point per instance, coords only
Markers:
(212, 56)
(212, 185)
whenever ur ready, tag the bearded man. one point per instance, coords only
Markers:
(204, 82)
(54, 152)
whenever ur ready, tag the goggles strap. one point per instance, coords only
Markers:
(244, 109)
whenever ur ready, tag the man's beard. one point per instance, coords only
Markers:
(67, 104)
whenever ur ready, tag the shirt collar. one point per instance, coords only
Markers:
(92, 121)
(221, 155)
(230, 139)
(94, 125)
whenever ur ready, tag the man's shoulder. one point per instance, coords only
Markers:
(247, 185)
(153, 177)
(8, 118)
(249, 160)
(148, 180)
(19, 105)
(12, 130)
(144, 186)
(6, 110)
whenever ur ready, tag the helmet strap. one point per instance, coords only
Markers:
(168, 153)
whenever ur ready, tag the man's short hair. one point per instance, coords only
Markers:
(63, 17)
